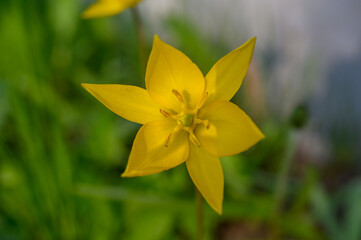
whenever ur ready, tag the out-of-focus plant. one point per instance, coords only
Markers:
(345, 203)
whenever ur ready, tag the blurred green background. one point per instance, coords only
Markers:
(62, 152)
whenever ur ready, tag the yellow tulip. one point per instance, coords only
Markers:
(105, 8)
(186, 117)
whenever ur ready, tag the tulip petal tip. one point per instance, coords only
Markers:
(86, 86)
(156, 39)
(127, 174)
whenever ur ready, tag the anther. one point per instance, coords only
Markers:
(165, 113)
(175, 130)
(178, 95)
(194, 139)
(204, 122)
(168, 139)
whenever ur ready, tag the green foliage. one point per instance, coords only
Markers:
(62, 152)
(347, 203)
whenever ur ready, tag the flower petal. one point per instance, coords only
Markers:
(231, 131)
(130, 102)
(169, 69)
(150, 155)
(206, 173)
(105, 8)
(226, 76)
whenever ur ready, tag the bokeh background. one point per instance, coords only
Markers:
(62, 152)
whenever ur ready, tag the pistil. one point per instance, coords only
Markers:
(186, 120)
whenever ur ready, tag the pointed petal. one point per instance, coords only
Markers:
(170, 69)
(226, 76)
(206, 173)
(130, 102)
(231, 130)
(105, 8)
(150, 155)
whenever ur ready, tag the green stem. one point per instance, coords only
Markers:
(141, 39)
(199, 203)
(282, 181)
(282, 178)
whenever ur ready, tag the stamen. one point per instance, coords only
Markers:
(168, 139)
(175, 130)
(168, 115)
(206, 123)
(165, 113)
(194, 139)
(178, 95)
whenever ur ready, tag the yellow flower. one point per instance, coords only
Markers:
(186, 117)
(105, 8)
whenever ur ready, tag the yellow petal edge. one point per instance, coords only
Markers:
(206, 173)
(226, 76)
(231, 130)
(149, 155)
(169, 69)
(130, 102)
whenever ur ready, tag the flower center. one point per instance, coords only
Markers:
(187, 119)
